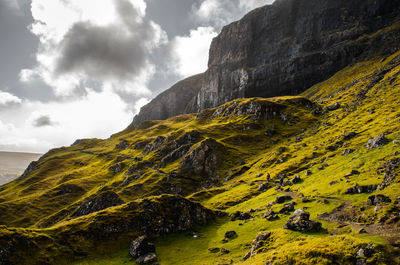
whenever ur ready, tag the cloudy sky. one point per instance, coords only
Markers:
(74, 69)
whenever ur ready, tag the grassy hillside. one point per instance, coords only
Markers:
(13, 164)
(238, 157)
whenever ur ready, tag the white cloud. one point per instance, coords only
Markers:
(190, 53)
(83, 42)
(7, 98)
(97, 115)
(219, 13)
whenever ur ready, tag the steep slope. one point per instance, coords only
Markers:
(178, 99)
(284, 49)
(13, 164)
(333, 151)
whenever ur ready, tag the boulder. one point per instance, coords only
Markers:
(361, 189)
(300, 221)
(287, 208)
(270, 216)
(377, 141)
(230, 235)
(241, 216)
(149, 258)
(377, 199)
(140, 247)
(282, 199)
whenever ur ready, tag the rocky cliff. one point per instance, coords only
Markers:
(285, 48)
(176, 100)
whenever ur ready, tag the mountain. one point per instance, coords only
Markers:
(13, 164)
(287, 47)
(176, 100)
(305, 179)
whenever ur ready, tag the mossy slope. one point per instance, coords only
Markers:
(242, 140)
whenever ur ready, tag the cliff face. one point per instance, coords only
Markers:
(176, 100)
(285, 48)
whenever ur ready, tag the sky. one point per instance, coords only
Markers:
(74, 69)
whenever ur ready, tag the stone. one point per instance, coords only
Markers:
(287, 208)
(377, 141)
(230, 235)
(349, 136)
(214, 250)
(300, 221)
(378, 199)
(352, 173)
(296, 180)
(241, 216)
(271, 216)
(224, 251)
(361, 189)
(282, 199)
(147, 259)
(263, 187)
(308, 173)
(141, 246)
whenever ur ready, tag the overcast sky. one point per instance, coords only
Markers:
(72, 69)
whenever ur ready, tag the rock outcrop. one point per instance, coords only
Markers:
(176, 100)
(286, 47)
(300, 221)
(100, 202)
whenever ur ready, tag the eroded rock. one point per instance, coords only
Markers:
(377, 141)
(300, 221)
(100, 202)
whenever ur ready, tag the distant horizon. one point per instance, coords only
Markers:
(18, 152)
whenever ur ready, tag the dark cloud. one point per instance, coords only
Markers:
(43, 121)
(114, 51)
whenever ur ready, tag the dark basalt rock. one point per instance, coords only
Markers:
(271, 216)
(98, 203)
(287, 47)
(241, 216)
(361, 189)
(149, 258)
(300, 221)
(287, 208)
(230, 235)
(34, 165)
(154, 145)
(377, 199)
(203, 160)
(282, 199)
(178, 99)
(141, 247)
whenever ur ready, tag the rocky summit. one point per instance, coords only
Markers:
(257, 176)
